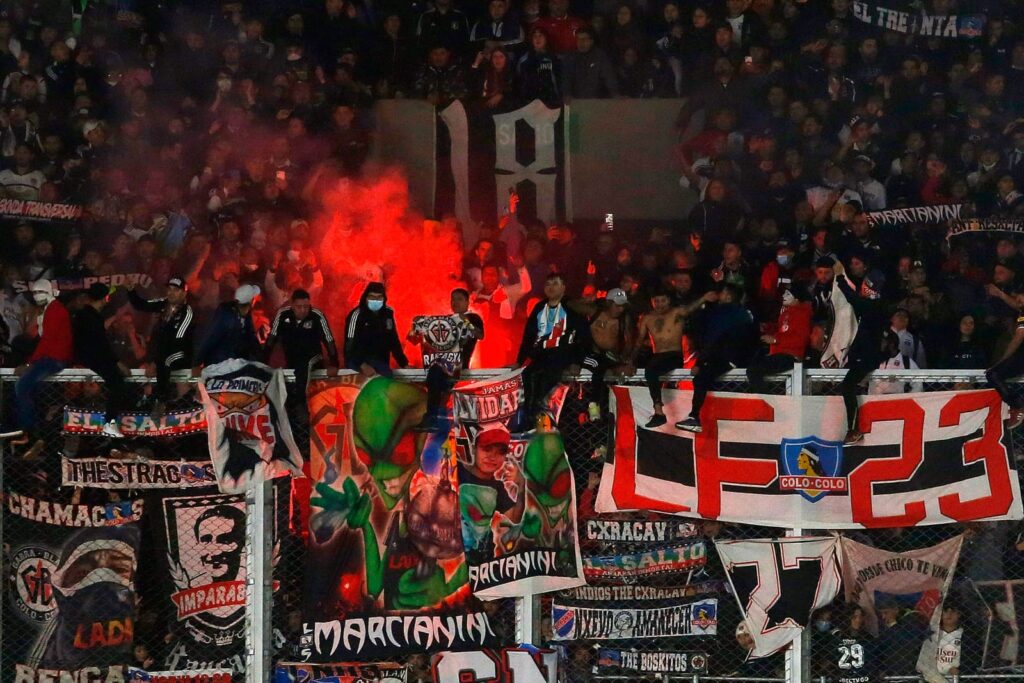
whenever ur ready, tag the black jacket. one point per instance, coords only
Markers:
(871, 324)
(174, 334)
(231, 335)
(91, 344)
(303, 340)
(571, 340)
(372, 335)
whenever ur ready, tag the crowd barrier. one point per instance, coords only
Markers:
(275, 560)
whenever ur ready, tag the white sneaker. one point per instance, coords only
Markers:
(112, 430)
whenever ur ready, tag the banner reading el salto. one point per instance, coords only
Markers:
(516, 495)
(70, 594)
(249, 434)
(931, 458)
(385, 533)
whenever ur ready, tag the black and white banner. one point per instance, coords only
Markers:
(341, 672)
(611, 661)
(524, 664)
(108, 473)
(249, 433)
(647, 563)
(409, 632)
(29, 209)
(74, 284)
(633, 593)
(976, 225)
(939, 213)
(198, 676)
(778, 583)
(920, 23)
(587, 623)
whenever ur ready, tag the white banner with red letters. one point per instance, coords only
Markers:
(929, 458)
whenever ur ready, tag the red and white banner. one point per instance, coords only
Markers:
(930, 458)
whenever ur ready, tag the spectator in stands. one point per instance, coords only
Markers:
(93, 350)
(1010, 365)
(787, 339)
(497, 27)
(305, 337)
(613, 339)
(968, 354)
(900, 633)
(560, 28)
(587, 72)
(440, 80)
(539, 72)
(371, 336)
(23, 180)
(232, 333)
(555, 341)
(173, 336)
(942, 651)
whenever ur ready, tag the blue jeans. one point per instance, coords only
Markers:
(27, 388)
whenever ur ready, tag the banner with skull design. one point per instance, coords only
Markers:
(517, 496)
(70, 591)
(384, 529)
(248, 430)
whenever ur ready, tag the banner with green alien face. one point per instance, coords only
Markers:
(517, 497)
(386, 572)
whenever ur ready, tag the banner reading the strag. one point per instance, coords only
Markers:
(69, 602)
(249, 433)
(384, 529)
(516, 495)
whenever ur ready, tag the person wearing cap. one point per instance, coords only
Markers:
(231, 333)
(53, 353)
(173, 335)
(305, 335)
(942, 651)
(867, 350)
(371, 335)
(872, 192)
(613, 338)
(94, 350)
(485, 468)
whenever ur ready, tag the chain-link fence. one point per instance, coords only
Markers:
(182, 546)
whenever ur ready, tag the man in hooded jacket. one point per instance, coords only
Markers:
(371, 336)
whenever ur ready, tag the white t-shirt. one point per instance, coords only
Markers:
(22, 185)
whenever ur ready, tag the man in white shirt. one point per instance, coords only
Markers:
(24, 180)
(940, 653)
(896, 360)
(910, 344)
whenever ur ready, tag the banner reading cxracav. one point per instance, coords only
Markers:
(779, 461)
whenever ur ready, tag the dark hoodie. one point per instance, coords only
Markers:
(372, 335)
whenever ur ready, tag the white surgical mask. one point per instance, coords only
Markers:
(784, 260)
(374, 304)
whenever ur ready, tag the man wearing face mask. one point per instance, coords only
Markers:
(867, 350)
(787, 338)
(775, 278)
(232, 333)
(371, 336)
(52, 354)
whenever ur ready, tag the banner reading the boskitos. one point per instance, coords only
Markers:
(916, 579)
(249, 434)
(930, 458)
(516, 495)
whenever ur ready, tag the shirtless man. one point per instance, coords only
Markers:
(664, 327)
(611, 330)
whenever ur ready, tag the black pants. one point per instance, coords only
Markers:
(439, 385)
(164, 367)
(117, 391)
(767, 364)
(543, 374)
(658, 365)
(857, 369)
(708, 369)
(599, 363)
(1004, 370)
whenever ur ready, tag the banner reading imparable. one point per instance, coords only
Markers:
(916, 579)
(932, 458)
(920, 23)
(176, 423)
(939, 213)
(70, 592)
(524, 664)
(108, 473)
(778, 584)
(516, 495)
(249, 433)
(675, 621)
(385, 532)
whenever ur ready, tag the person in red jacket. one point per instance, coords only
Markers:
(787, 342)
(560, 28)
(53, 353)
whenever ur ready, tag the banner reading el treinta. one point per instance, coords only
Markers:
(920, 23)
(70, 592)
(516, 495)
(248, 429)
(391, 574)
(930, 458)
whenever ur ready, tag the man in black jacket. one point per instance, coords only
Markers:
(232, 333)
(555, 340)
(171, 345)
(371, 336)
(305, 335)
(94, 350)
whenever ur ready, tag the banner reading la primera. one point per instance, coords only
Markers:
(930, 458)
(385, 531)
(516, 495)
(250, 437)
(70, 591)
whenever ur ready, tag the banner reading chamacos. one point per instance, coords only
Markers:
(516, 495)
(249, 433)
(70, 591)
(779, 461)
(385, 534)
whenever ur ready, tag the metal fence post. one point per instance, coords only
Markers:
(798, 656)
(525, 619)
(259, 582)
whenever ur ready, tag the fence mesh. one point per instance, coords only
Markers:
(191, 539)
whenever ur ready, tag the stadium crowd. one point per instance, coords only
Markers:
(198, 138)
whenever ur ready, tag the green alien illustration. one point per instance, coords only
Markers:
(422, 531)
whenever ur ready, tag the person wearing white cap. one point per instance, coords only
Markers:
(232, 333)
(613, 335)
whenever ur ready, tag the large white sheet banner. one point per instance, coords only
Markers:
(931, 458)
